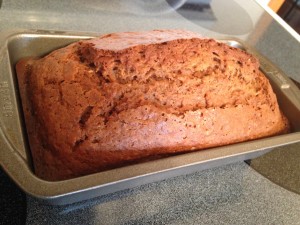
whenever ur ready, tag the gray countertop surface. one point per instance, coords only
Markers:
(267, 192)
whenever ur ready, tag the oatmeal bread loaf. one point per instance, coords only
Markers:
(128, 97)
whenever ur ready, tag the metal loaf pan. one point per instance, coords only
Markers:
(15, 154)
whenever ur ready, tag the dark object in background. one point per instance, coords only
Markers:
(12, 202)
(290, 12)
(211, 16)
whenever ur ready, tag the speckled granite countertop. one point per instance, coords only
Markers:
(267, 192)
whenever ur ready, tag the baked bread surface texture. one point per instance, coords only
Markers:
(127, 97)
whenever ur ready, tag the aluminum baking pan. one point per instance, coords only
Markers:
(15, 155)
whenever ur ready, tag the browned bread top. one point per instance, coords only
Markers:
(120, 41)
(105, 102)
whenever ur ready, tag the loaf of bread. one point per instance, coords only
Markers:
(129, 97)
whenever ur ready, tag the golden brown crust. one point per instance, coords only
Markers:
(92, 106)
